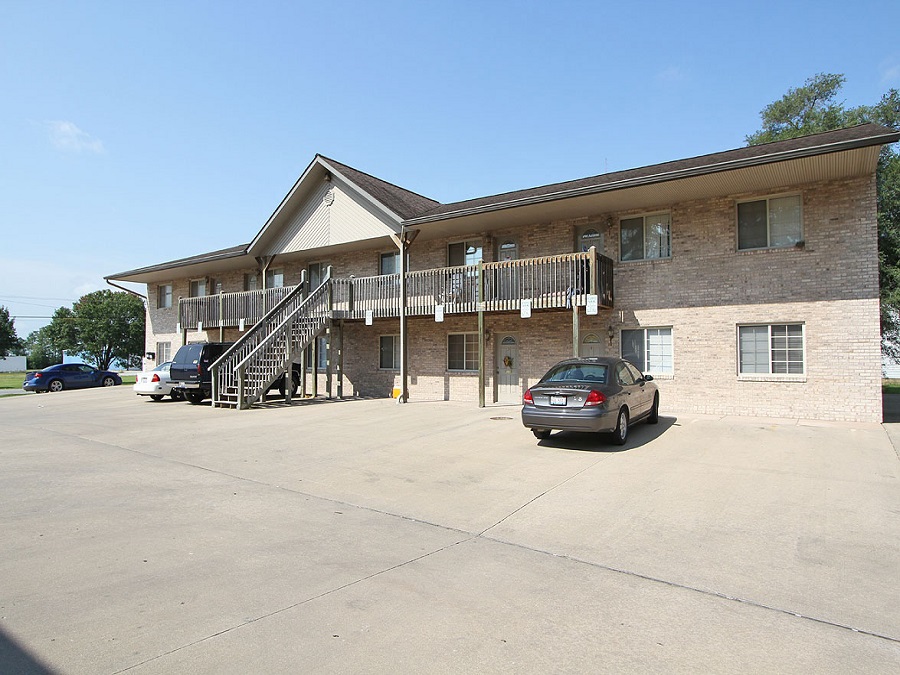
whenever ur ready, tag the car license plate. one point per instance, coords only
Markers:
(557, 400)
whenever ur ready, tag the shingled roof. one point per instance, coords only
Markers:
(404, 203)
(830, 141)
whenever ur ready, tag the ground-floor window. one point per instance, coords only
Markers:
(774, 349)
(321, 353)
(650, 349)
(462, 351)
(163, 352)
(389, 352)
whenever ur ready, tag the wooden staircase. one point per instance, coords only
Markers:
(246, 371)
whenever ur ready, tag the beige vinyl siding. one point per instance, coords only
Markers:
(333, 214)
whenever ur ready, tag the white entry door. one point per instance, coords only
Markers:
(591, 345)
(508, 388)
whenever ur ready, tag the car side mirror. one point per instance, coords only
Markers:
(648, 378)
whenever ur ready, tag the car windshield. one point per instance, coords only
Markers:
(577, 372)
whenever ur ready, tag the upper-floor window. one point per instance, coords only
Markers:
(251, 281)
(464, 253)
(198, 288)
(164, 296)
(775, 222)
(275, 278)
(508, 250)
(389, 263)
(588, 237)
(645, 237)
(317, 272)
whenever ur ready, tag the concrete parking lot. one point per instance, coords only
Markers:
(364, 536)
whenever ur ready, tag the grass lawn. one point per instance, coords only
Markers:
(15, 380)
(890, 386)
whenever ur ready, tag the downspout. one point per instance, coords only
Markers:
(404, 364)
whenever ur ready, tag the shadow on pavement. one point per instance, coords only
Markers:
(639, 435)
(14, 658)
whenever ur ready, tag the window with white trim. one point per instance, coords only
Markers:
(775, 222)
(389, 352)
(164, 296)
(198, 288)
(464, 253)
(389, 263)
(462, 351)
(650, 349)
(163, 352)
(773, 349)
(275, 278)
(645, 237)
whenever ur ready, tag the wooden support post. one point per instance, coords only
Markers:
(340, 359)
(221, 318)
(329, 328)
(576, 338)
(315, 366)
(240, 389)
(289, 375)
(593, 285)
(303, 372)
(480, 307)
(404, 338)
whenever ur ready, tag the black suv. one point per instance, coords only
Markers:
(190, 369)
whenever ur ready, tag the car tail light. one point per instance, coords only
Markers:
(528, 398)
(155, 378)
(594, 398)
(37, 376)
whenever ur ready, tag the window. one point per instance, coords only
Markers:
(164, 296)
(198, 288)
(776, 349)
(251, 281)
(389, 352)
(464, 253)
(462, 351)
(389, 263)
(590, 237)
(163, 352)
(317, 272)
(645, 237)
(275, 278)
(650, 349)
(769, 223)
(321, 349)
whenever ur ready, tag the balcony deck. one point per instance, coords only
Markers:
(550, 282)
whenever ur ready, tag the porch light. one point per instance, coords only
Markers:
(611, 334)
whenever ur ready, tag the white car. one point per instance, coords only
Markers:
(156, 384)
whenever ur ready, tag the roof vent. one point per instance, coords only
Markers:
(328, 198)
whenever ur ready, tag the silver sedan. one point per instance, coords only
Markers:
(592, 394)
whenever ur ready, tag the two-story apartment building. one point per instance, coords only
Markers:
(745, 282)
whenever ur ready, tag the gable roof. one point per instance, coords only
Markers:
(863, 135)
(401, 201)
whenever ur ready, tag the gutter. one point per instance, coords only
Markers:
(692, 172)
(127, 290)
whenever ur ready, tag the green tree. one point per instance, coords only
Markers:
(9, 341)
(45, 346)
(814, 108)
(109, 326)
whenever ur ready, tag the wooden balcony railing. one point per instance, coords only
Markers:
(549, 282)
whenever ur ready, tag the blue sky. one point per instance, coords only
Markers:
(135, 133)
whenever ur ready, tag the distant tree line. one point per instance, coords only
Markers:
(101, 327)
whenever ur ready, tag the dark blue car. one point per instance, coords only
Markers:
(69, 376)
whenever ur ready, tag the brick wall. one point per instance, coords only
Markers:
(703, 292)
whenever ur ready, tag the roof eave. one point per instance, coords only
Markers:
(718, 167)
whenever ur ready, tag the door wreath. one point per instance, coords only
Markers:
(507, 361)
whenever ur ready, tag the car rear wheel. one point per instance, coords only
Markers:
(156, 397)
(56, 385)
(176, 395)
(294, 386)
(653, 418)
(541, 434)
(620, 435)
(108, 382)
(194, 398)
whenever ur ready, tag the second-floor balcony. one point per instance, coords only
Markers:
(550, 282)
